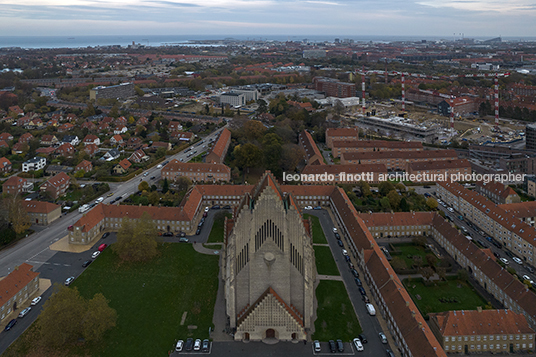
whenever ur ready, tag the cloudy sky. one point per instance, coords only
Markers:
(474, 18)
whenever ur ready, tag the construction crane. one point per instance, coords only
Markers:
(451, 77)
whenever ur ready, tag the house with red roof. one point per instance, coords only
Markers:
(138, 156)
(122, 167)
(120, 129)
(42, 213)
(20, 285)
(65, 127)
(91, 149)
(65, 150)
(5, 165)
(3, 144)
(49, 140)
(26, 138)
(91, 139)
(85, 165)
(6, 137)
(219, 150)
(15, 185)
(57, 185)
(116, 140)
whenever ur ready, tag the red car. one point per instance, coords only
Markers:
(102, 247)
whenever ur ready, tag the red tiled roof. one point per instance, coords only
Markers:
(380, 144)
(522, 209)
(221, 144)
(16, 281)
(39, 206)
(497, 188)
(175, 165)
(341, 132)
(125, 164)
(309, 145)
(347, 168)
(400, 154)
(439, 165)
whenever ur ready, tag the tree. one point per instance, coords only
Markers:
(400, 186)
(431, 203)
(17, 215)
(385, 187)
(292, 155)
(427, 272)
(431, 259)
(384, 203)
(254, 130)
(248, 155)
(263, 108)
(398, 263)
(365, 188)
(463, 275)
(394, 199)
(165, 186)
(136, 239)
(442, 272)
(143, 186)
(183, 183)
(417, 261)
(419, 240)
(59, 322)
(98, 319)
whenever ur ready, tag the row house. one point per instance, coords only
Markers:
(91, 139)
(34, 164)
(16, 185)
(313, 156)
(17, 287)
(340, 147)
(57, 185)
(196, 171)
(497, 192)
(219, 150)
(344, 134)
(49, 140)
(5, 165)
(514, 234)
(397, 159)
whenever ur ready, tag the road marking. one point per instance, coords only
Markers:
(38, 253)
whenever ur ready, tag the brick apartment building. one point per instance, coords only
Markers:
(57, 185)
(345, 174)
(42, 213)
(341, 134)
(15, 185)
(340, 147)
(442, 168)
(17, 287)
(196, 171)
(525, 211)
(498, 192)
(397, 159)
(219, 150)
(334, 88)
(313, 156)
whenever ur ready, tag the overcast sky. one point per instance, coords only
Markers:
(478, 18)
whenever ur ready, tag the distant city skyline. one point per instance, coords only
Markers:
(255, 18)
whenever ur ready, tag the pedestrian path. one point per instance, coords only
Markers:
(204, 250)
(330, 277)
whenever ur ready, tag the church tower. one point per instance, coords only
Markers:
(269, 267)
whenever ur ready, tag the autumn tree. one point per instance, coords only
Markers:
(16, 213)
(431, 259)
(398, 263)
(253, 130)
(183, 183)
(292, 155)
(431, 203)
(248, 155)
(136, 239)
(427, 272)
(394, 199)
(98, 319)
(143, 186)
(385, 187)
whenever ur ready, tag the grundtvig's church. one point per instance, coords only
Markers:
(269, 267)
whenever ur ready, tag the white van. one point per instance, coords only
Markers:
(371, 310)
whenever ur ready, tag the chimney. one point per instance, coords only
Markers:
(479, 308)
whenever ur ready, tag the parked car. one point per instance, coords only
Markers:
(197, 345)
(216, 207)
(184, 240)
(358, 282)
(35, 301)
(317, 207)
(205, 345)
(198, 231)
(389, 353)
(363, 338)
(517, 260)
(339, 242)
(335, 230)
(316, 343)
(358, 345)
(102, 247)
(362, 291)
(24, 312)
(179, 346)
(207, 209)
(86, 263)
(10, 325)
(69, 281)
(340, 346)
(338, 236)
(308, 207)
(332, 346)
(344, 252)
(383, 338)
(168, 234)
(105, 235)
(505, 261)
(95, 254)
(365, 298)
(370, 309)
(189, 344)
(227, 207)
(354, 273)
(526, 277)
(347, 258)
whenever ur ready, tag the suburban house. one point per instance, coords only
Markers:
(91, 139)
(49, 140)
(122, 167)
(181, 136)
(71, 139)
(85, 165)
(91, 149)
(116, 140)
(34, 164)
(5, 165)
(6, 137)
(42, 213)
(120, 129)
(25, 138)
(15, 185)
(65, 150)
(138, 156)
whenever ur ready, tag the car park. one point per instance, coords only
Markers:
(505, 261)
(316, 345)
(95, 254)
(189, 345)
(24, 312)
(358, 345)
(197, 345)
(10, 325)
(179, 345)
(69, 281)
(383, 338)
(362, 338)
(35, 301)
(332, 346)
(205, 346)
(517, 260)
(86, 263)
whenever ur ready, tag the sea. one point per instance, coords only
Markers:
(198, 40)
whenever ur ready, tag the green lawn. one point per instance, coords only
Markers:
(216, 234)
(150, 299)
(325, 264)
(410, 249)
(335, 314)
(318, 233)
(467, 298)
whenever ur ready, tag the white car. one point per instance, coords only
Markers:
(344, 252)
(207, 209)
(316, 343)
(179, 346)
(159, 166)
(36, 301)
(95, 254)
(69, 281)
(526, 277)
(334, 230)
(450, 209)
(145, 173)
(505, 261)
(197, 345)
(517, 260)
(358, 345)
(24, 312)
(308, 207)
